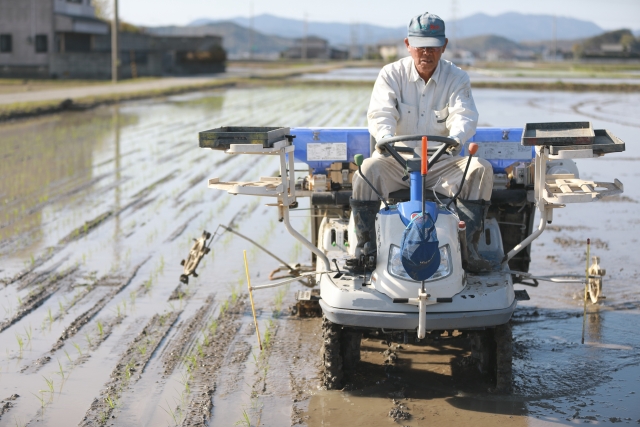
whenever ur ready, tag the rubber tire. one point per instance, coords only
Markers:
(332, 373)
(503, 337)
(350, 350)
(493, 350)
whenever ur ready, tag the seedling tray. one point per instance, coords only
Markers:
(558, 133)
(221, 138)
(604, 142)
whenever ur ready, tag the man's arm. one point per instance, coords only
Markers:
(463, 114)
(382, 116)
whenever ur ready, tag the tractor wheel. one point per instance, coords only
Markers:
(493, 350)
(340, 353)
(331, 359)
(350, 349)
(503, 337)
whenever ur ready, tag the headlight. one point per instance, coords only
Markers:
(396, 269)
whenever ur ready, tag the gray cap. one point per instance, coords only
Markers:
(426, 30)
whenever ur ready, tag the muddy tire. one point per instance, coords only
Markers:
(493, 351)
(332, 373)
(350, 349)
(503, 337)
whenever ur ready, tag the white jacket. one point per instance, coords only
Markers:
(402, 104)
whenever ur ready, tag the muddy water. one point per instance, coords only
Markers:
(98, 208)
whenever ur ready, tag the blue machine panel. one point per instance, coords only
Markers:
(500, 146)
(357, 140)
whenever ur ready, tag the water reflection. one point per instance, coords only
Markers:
(44, 161)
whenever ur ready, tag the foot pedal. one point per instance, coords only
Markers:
(522, 295)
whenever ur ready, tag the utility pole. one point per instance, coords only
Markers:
(555, 40)
(303, 54)
(114, 43)
(251, 31)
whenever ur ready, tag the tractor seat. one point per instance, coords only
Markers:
(404, 195)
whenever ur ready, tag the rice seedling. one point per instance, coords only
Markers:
(245, 420)
(88, 338)
(224, 307)
(61, 308)
(40, 398)
(77, 348)
(213, 327)
(29, 333)
(8, 311)
(111, 402)
(127, 370)
(172, 414)
(60, 370)
(205, 338)
(19, 300)
(142, 349)
(49, 384)
(68, 357)
(200, 350)
(100, 329)
(49, 317)
(20, 343)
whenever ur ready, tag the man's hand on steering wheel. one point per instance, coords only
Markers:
(388, 144)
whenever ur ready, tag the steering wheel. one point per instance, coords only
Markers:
(387, 144)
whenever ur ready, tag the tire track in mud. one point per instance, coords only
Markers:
(39, 206)
(178, 231)
(118, 283)
(212, 355)
(37, 262)
(85, 229)
(185, 336)
(38, 296)
(85, 317)
(577, 108)
(7, 404)
(149, 188)
(134, 360)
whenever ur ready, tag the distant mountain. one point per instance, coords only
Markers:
(336, 33)
(481, 44)
(236, 39)
(520, 27)
(514, 26)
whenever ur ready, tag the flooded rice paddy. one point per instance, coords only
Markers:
(98, 208)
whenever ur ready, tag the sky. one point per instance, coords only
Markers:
(608, 14)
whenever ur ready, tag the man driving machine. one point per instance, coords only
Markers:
(424, 94)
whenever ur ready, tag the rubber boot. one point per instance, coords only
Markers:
(473, 213)
(364, 217)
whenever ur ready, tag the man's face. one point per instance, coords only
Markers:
(426, 59)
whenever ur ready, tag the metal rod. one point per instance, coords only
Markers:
(253, 309)
(284, 282)
(373, 188)
(586, 284)
(114, 43)
(302, 239)
(286, 264)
